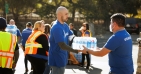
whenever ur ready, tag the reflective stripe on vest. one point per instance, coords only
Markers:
(6, 57)
(31, 46)
(34, 45)
(6, 54)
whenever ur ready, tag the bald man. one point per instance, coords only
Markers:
(59, 34)
(12, 28)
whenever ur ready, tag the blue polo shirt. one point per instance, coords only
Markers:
(120, 57)
(25, 34)
(59, 33)
(19, 33)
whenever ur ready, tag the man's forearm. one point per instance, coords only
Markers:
(95, 53)
(63, 46)
(101, 52)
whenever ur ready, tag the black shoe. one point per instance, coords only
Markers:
(88, 67)
(26, 70)
(81, 65)
(13, 70)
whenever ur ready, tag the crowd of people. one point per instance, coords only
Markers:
(48, 47)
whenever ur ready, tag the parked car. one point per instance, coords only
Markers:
(131, 25)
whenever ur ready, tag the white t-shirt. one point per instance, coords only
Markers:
(11, 29)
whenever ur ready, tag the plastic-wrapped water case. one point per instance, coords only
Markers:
(89, 42)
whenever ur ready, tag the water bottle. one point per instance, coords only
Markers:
(74, 43)
(92, 43)
(84, 42)
(95, 46)
(80, 43)
(77, 44)
(89, 43)
(79, 57)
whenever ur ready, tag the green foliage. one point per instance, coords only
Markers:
(102, 9)
(123, 6)
(91, 9)
(22, 6)
(47, 11)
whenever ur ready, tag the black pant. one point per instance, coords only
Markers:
(25, 60)
(38, 64)
(6, 71)
(87, 57)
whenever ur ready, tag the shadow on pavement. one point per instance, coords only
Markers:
(31, 72)
(92, 69)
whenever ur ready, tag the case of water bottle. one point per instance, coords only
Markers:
(79, 42)
(89, 42)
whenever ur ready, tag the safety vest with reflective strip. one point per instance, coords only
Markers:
(90, 35)
(31, 45)
(7, 48)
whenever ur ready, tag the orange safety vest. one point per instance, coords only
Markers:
(7, 50)
(83, 34)
(31, 45)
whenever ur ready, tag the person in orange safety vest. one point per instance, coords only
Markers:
(36, 48)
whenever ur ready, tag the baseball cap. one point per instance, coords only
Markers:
(3, 23)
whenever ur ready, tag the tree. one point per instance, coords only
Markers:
(124, 6)
(48, 9)
(19, 7)
(58, 2)
(73, 6)
(2, 4)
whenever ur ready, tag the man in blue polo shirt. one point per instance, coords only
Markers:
(119, 47)
(12, 28)
(25, 34)
(59, 34)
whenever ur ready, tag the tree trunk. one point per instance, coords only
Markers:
(4, 14)
(16, 19)
(15, 15)
(73, 14)
(3, 8)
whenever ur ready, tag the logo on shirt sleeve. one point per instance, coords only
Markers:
(127, 38)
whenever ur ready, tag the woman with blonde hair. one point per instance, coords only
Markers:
(36, 48)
